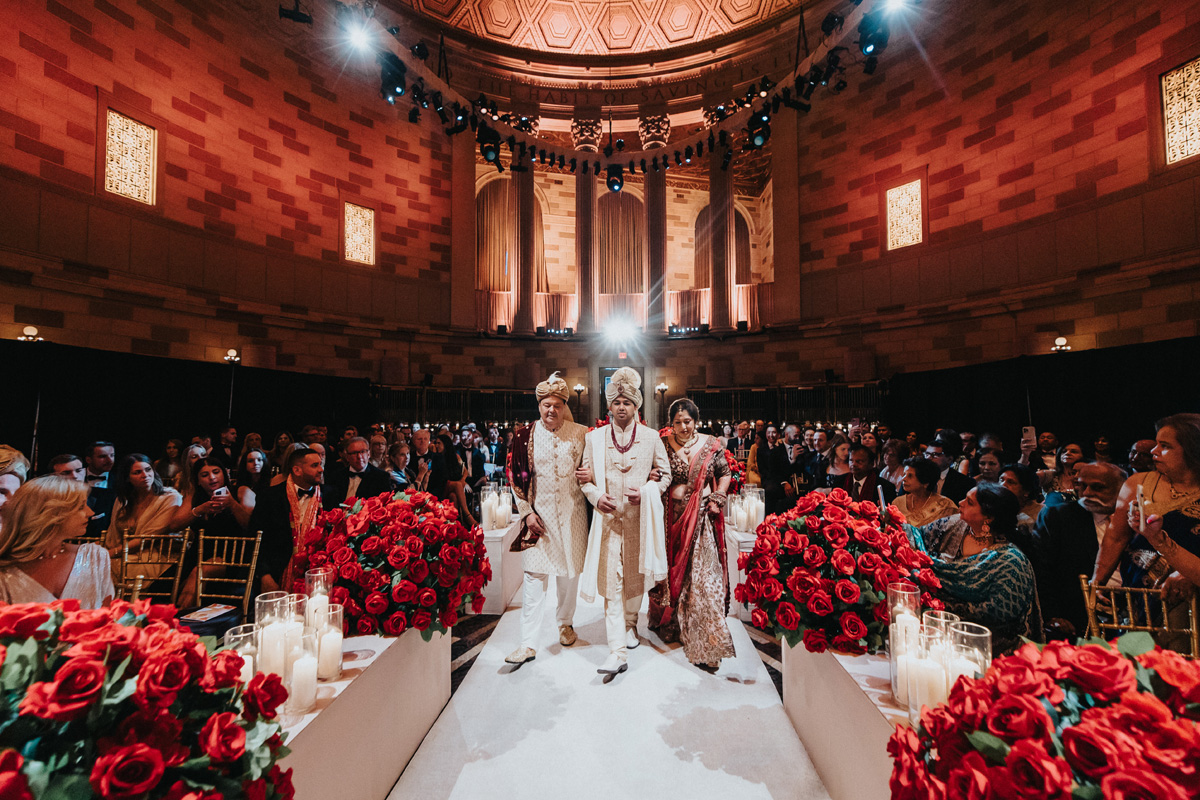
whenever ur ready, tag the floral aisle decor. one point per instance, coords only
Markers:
(403, 561)
(1092, 720)
(122, 703)
(819, 573)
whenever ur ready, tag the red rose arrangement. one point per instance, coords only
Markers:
(403, 561)
(819, 573)
(121, 703)
(1062, 721)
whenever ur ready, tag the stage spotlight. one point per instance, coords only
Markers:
(562, 161)
(357, 32)
(687, 154)
(892, 6)
(574, 163)
(764, 87)
(542, 156)
(759, 129)
(418, 93)
(489, 144)
(620, 145)
(420, 51)
(873, 34)
(414, 114)
(704, 328)
(831, 65)
(633, 167)
(391, 75)
(620, 330)
(616, 178)
(654, 163)
(712, 141)
(585, 167)
(678, 159)
(596, 167)
(643, 166)
(295, 14)
(831, 23)
(540, 330)
(501, 330)
(869, 65)
(724, 138)
(809, 85)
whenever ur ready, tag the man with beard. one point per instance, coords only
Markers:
(789, 474)
(1067, 541)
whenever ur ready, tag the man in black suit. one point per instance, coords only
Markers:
(226, 449)
(943, 451)
(354, 476)
(862, 481)
(1067, 540)
(273, 515)
(740, 444)
(788, 472)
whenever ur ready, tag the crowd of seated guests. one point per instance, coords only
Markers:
(1009, 536)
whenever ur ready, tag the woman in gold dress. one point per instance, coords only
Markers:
(690, 606)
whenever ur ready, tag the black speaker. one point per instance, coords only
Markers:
(501, 329)
(427, 380)
(540, 330)
(743, 326)
(569, 331)
(703, 327)
(829, 376)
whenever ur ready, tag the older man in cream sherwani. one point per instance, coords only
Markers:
(627, 540)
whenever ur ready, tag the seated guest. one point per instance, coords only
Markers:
(921, 504)
(970, 451)
(168, 467)
(862, 482)
(226, 449)
(1061, 479)
(893, 454)
(286, 513)
(143, 507)
(36, 563)
(839, 462)
(277, 453)
(985, 579)
(354, 476)
(214, 510)
(192, 454)
(989, 464)
(14, 469)
(253, 441)
(1102, 450)
(455, 472)
(1141, 456)
(402, 477)
(868, 440)
(1023, 482)
(69, 466)
(99, 458)
(943, 451)
(252, 476)
(1067, 540)
(379, 454)
(818, 458)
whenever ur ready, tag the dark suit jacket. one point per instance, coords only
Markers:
(272, 516)
(870, 489)
(374, 482)
(781, 472)
(101, 502)
(1064, 548)
(956, 486)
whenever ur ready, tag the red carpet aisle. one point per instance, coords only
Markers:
(664, 729)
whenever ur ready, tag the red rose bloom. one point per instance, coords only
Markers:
(427, 597)
(808, 503)
(343, 555)
(222, 739)
(1140, 784)
(926, 577)
(76, 685)
(1092, 749)
(968, 779)
(404, 592)
(421, 620)
(418, 570)
(398, 557)
(414, 545)
(396, 624)
(282, 781)
(836, 534)
(837, 500)
(852, 626)
(263, 696)
(1034, 773)
(339, 595)
(222, 671)
(787, 616)
(1103, 673)
(843, 562)
(350, 571)
(869, 563)
(772, 589)
(161, 679)
(21, 621)
(127, 772)
(816, 641)
(79, 623)
(13, 784)
(848, 591)
(449, 617)
(376, 603)
(819, 603)
(159, 729)
(813, 523)
(371, 546)
(760, 620)
(365, 626)
(814, 556)
(1014, 717)
(844, 644)
(477, 603)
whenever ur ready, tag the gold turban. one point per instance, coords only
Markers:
(554, 386)
(625, 382)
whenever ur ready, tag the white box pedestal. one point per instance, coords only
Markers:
(506, 570)
(737, 542)
(367, 725)
(843, 710)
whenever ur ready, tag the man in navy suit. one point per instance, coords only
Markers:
(862, 481)
(355, 476)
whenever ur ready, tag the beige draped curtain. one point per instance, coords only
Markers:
(496, 250)
(621, 236)
(743, 268)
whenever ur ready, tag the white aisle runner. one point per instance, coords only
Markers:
(663, 729)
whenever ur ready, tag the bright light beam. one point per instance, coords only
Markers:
(360, 38)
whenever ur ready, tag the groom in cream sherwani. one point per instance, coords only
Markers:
(627, 541)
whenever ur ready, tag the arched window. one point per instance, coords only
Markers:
(496, 250)
(621, 243)
(743, 269)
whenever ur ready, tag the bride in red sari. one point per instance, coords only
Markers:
(690, 606)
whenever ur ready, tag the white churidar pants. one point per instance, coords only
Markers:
(620, 615)
(533, 596)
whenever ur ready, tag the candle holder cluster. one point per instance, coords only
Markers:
(747, 510)
(496, 507)
(928, 653)
(296, 636)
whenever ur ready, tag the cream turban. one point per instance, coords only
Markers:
(625, 382)
(554, 386)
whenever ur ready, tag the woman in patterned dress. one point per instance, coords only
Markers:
(690, 606)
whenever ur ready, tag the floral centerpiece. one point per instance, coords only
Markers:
(1081, 721)
(402, 560)
(121, 703)
(819, 573)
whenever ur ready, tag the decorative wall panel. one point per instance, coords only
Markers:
(904, 226)
(130, 150)
(360, 234)
(1181, 111)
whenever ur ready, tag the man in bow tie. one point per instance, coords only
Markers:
(355, 476)
(286, 513)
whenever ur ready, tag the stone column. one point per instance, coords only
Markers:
(585, 134)
(655, 131)
(785, 213)
(463, 313)
(722, 243)
(527, 280)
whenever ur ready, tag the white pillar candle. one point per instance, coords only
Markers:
(304, 682)
(901, 687)
(961, 665)
(330, 655)
(504, 514)
(247, 666)
(316, 611)
(926, 682)
(272, 650)
(762, 512)
(292, 631)
(904, 632)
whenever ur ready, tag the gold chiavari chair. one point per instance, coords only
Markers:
(88, 539)
(226, 569)
(165, 550)
(1113, 611)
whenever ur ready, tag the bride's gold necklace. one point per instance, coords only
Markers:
(686, 447)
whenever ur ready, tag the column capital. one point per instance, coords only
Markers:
(654, 130)
(587, 133)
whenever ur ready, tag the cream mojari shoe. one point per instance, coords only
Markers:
(521, 655)
(631, 638)
(566, 636)
(613, 665)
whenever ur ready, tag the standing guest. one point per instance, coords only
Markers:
(14, 469)
(727, 436)
(809, 432)
(839, 462)
(817, 461)
(402, 477)
(617, 463)
(868, 440)
(893, 454)
(989, 464)
(759, 460)
(1023, 482)
(1067, 540)
(913, 441)
(1141, 456)
(1059, 483)
(354, 476)
(286, 513)
(862, 482)
(278, 451)
(310, 434)
(252, 477)
(740, 447)
(226, 450)
(68, 466)
(348, 433)
(969, 447)
(37, 565)
(494, 446)
(943, 451)
(921, 504)
(1102, 451)
(143, 507)
(169, 466)
(455, 487)
(204, 440)
(99, 460)
(553, 510)
(379, 448)
(1042, 456)
(690, 606)
(789, 473)
(253, 441)
(191, 454)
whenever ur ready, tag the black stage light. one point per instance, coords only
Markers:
(585, 167)
(562, 161)
(391, 75)
(414, 114)
(724, 138)
(728, 158)
(616, 178)
(569, 331)
(540, 330)
(678, 159)
(809, 85)
(699, 148)
(418, 93)
(654, 163)
(574, 163)
(542, 156)
(873, 34)
(620, 145)
(295, 14)
(643, 166)
(489, 144)
(743, 326)
(840, 86)
(687, 154)
(759, 129)
(712, 141)
(420, 51)
(870, 64)
(502, 329)
(704, 327)
(633, 167)
(596, 167)
(831, 23)
(764, 87)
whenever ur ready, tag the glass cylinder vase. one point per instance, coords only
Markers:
(244, 639)
(970, 650)
(904, 604)
(329, 645)
(489, 507)
(300, 679)
(924, 672)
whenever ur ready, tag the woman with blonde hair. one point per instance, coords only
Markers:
(191, 455)
(36, 563)
(14, 469)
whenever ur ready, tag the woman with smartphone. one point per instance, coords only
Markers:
(215, 511)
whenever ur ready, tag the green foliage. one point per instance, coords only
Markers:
(1135, 644)
(20, 665)
(990, 747)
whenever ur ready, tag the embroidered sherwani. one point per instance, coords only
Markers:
(556, 498)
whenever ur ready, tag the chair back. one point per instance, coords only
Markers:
(1129, 608)
(226, 569)
(87, 539)
(158, 560)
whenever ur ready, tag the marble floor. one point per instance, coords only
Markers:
(552, 728)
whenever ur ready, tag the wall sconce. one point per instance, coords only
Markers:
(231, 356)
(30, 334)
(579, 389)
(1060, 345)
